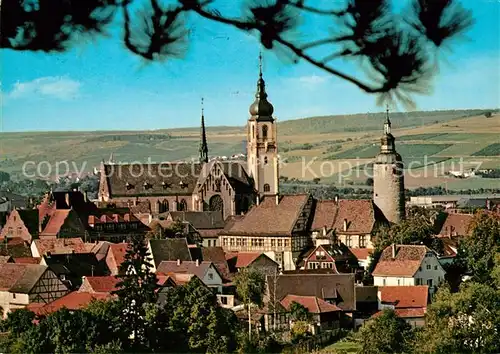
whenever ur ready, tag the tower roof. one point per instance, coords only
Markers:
(203, 138)
(261, 109)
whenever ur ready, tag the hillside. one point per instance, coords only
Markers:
(441, 136)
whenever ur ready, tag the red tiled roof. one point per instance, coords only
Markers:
(406, 264)
(72, 301)
(361, 253)
(456, 225)
(311, 303)
(217, 256)
(62, 246)
(187, 267)
(27, 260)
(5, 259)
(324, 214)
(244, 259)
(360, 216)
(269, 218)
(209, 233)
(105, 284)
(406, 313)
(46, 207)
(117, 253)
(405, 296)
(56, 221)
(22, 277)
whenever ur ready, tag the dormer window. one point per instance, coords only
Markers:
(165, 185)
(147, 185)
(182, 184)
(129, 186)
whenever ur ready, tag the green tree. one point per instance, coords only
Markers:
(250, 287)
(4, 177)
(298, 312)
(464, 322)
(478, 250)
(385, 334)
(495, 273)
(136, 287)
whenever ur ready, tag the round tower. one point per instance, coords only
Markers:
(388, 177)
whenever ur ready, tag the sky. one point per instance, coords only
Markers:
(102, 86)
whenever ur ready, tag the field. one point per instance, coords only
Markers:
(329, 148)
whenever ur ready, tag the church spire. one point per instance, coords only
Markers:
(261, 109)
(203, 138)
(387, 123)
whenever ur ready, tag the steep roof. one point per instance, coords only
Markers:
(359, 214)
(406, 263)
(116, 256)
(405, 296)
(31, 220)
(361, 253)
(244, 259)
(269, 218)
(72, 301)
(456, 225)
(217, 256)
(167, 178)
(324, 214)
(190, 267)
(311, 303)
(236, 175)
(103, 284)
(324, 286)
(20, 278)
(170, 249)
(56, 221)
(200, 219)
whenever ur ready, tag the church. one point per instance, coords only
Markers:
(231, 187)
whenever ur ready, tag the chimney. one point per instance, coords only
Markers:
(488, 204)
(336, 198)
(393, 247)
(67, 200)
(324, 230)
(178, 262)
(277, 199)
(197, 262)
(345, 224)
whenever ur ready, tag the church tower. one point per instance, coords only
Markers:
(203, 138)
(388, 177)
(262, 144)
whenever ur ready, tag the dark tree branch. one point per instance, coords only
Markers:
(300, 5)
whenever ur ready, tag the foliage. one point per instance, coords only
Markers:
(495, 273)
(136, 288)
(4, 177)
(18, 321)
(464, 322)
(386, 333)
(250, 286)
(398, 56)
(369, 182)
(265, 343)
(298, 312)
(195, 321)
(417, 228)
(477, 251)
(300, 331)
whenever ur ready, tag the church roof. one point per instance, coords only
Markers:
(168, 178)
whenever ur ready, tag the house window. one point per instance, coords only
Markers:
(429, 282)
(428, 267)
(348, 241)
(209, 242)
(267, 187)
(14, 295)
(362, 241)
(223, 300)
(280, 243)
(287, 243)
(210, 276)
(231, 241)
(273, 242)
(417, 281)
(264, 132)
(435, 267)
(399, 281)
(383, 282)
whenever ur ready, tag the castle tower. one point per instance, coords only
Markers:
(388, 177)
(262, 144)
(203, 138)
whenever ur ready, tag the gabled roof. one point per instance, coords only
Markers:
(102, 284)
(359, 214)
(200, 219)
(6, 259)
(190, 267)
(233, 171)
(168, 178)
(324, 286)
(216, 255)
(361, 253)
(311, 303)
(20, 278)
(72, 301)
(116, 256)
(170, 249)
(269, 218)
(324, 214)
(30, 220)
(244, 259)
(456, 225)
(405, 296)
(406, 313)
(15, 247)
(406, 263)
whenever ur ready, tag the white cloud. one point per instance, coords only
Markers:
(313, 80)
(59, 87)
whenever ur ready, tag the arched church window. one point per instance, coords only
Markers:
(253, 131)
(264, 132)
(265, 160)
(182, 206)
(217, 185)
(164, 206)
(216, 203)
(267, 187)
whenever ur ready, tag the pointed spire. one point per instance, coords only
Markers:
(387, 123)
(261, 109)
(203, 138)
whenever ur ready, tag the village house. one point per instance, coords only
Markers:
(408, 302)
(408, 265)
(332, 256)
(205, 271)
(255, 260)
(363, 256)
(172, 249)
(278, 227)
(115, 225)
(72, 301)
(217, 256)
(22, 224)
(205, 224)
(115, 257)
(23, 284)
(43, 247)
